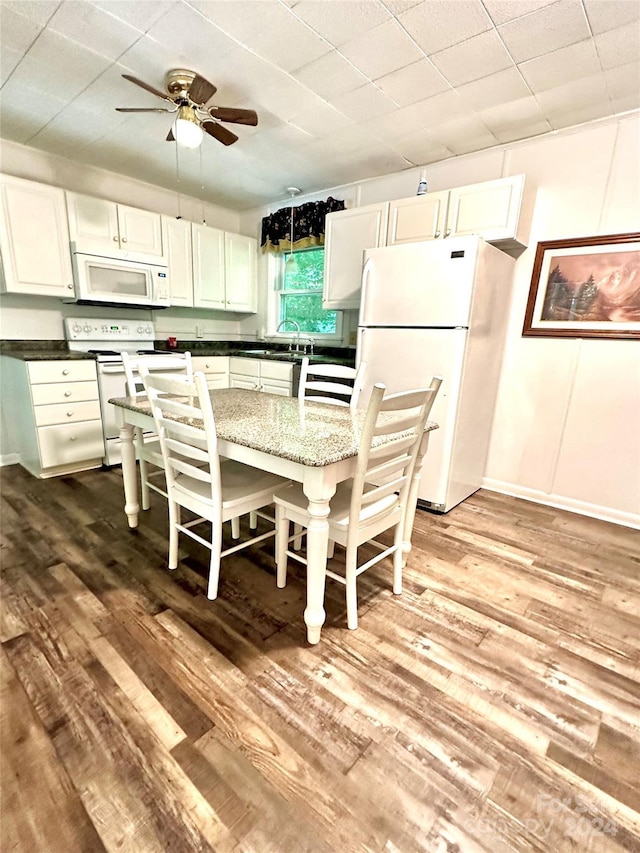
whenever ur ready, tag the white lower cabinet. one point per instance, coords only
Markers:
(56, 415)
(215, 368)
(272, 377)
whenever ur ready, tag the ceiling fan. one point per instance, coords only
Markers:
(188, 93)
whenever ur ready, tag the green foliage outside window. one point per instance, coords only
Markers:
(301, 294)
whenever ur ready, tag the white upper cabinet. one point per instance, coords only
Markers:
(347, 234)
(498, 211)
(176, 239)
(224, 270)
(34, 239)
(208, 267)
(493, 209)
(100, 227)
(421, 217)
(240, 272)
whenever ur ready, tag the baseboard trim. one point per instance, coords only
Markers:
(604, 513)
(9, 459)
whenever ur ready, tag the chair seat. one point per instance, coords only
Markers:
(294, 499)
(237, 480)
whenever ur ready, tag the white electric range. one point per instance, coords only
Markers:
(106, 339)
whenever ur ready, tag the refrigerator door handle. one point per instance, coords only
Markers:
(365, 280)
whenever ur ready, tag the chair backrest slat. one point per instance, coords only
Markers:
(186, 428)
(324, 383)
(385, 469)
(178, 363)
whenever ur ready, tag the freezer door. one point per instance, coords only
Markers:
(419, 284)
(407, 358)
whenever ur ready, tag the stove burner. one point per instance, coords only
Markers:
(103, 352)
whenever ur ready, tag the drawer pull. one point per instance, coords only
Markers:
(69, 414)
(67, 393)
(72, 438)
(65, 372)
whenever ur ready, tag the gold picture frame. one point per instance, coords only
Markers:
(586, 287)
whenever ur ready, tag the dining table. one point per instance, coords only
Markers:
(315, 444)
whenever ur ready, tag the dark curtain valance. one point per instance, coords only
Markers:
(308, 226)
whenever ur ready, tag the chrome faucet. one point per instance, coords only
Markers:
(293, 322)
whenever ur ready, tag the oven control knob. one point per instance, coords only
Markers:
(148, 330)
(77, 328)
(87, 328)
(140, 330)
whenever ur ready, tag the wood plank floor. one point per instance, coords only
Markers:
(494, 706)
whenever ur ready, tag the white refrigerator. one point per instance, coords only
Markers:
(439, 307)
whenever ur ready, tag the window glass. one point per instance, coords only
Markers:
(301, 292)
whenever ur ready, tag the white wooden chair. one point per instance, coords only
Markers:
(375, 500)
(324, 383)
(195, 478)
(148, 450)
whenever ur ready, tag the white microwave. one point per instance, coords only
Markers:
(114, 281)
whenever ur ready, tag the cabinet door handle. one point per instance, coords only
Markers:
(72, 438)
(123, 239)
(437, 234)
(447, 232)
(65, 372)
(69, 287)
(69, 414)
(115, 239)
(67, 393)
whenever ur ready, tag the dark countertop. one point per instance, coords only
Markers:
(57, 351)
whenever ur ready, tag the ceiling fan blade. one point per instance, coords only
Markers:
(143, 110)
(170, 136)
(219, 132)
(201, 90)
(146, 86)
(233, 115)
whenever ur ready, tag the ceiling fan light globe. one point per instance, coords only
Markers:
(187, 133)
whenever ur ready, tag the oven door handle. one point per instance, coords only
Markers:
(111, 369)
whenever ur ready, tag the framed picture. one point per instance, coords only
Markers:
(588, 287)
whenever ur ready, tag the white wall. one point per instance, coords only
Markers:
(566, 430)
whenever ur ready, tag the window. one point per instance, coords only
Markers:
(300, 295)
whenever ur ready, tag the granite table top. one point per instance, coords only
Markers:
(312, 434)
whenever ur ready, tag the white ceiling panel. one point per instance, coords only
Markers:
(619, 46)
(436, 28)
(339, 21)
(562, 66)
(18, 32)
(343, 89)
(497, 89)
(84, 23)
(39, 11)
(501, 11)
(607, 15)
(382, 50)
(140, 15)
(472, 59)
(541, 32)
(413, 83)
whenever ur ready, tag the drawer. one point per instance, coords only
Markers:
(276, 370)
(62, 413)
(244, 366)
(61, 371)
(66, 444)
(210, 363)
(63, 392)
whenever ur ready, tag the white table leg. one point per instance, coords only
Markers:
(317, 543)
(131, 505)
